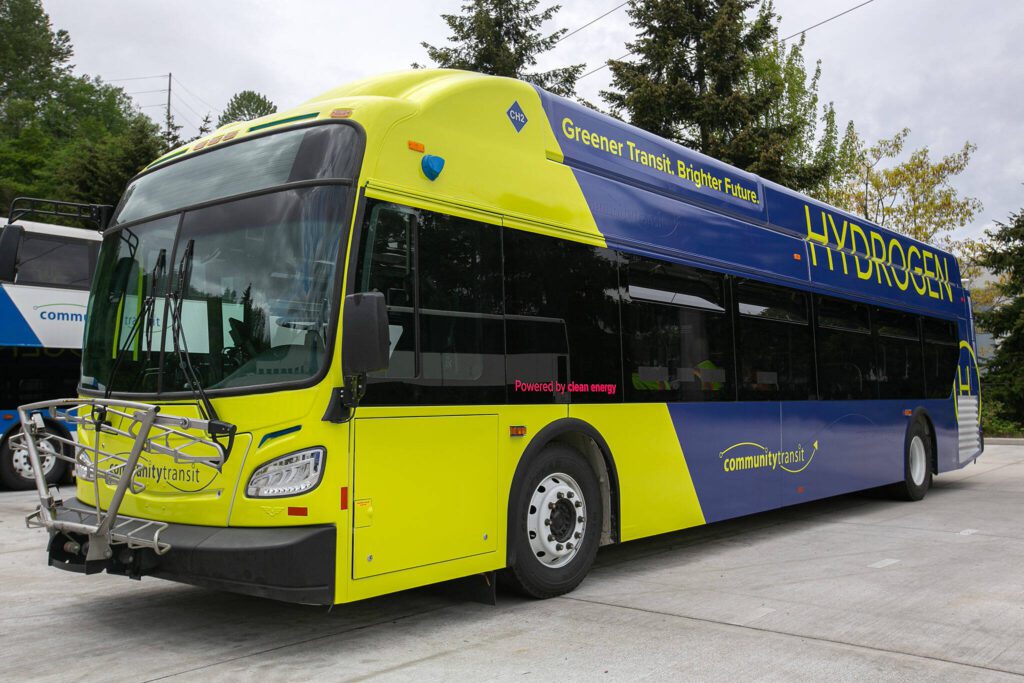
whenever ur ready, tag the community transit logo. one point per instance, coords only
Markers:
(747, 455)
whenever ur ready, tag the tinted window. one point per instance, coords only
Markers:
(55, 261)
(900, 362)
(441, 278)
(677, 334)
(327, 151)
(34, 374)
(561, 295)
(941, 352)
(846, 351)
(774, 343)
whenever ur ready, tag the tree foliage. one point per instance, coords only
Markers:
(914, 196)
(504, 38)
(1003, 255)
(62, 136)
(714, 76)
(245, 106)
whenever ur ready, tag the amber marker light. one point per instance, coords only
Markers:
(797, 257)
(341, 114)
(417, 146)
(517, 430)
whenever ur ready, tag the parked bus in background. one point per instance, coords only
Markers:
(438, 324)
(45, 271)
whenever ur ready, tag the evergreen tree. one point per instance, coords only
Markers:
(245, 106)
(1003, 383)
(688, 82)
(504, 38)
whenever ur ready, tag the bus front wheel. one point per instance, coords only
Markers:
(917, 463)
(16, 471)
(556, 523)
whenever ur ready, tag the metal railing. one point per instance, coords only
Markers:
(183, 439)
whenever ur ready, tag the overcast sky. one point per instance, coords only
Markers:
(950, 71)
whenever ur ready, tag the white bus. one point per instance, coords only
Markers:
(45, 272)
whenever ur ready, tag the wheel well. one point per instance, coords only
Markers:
(591, 446)
(921, 415)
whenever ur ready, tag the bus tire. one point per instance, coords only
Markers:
(15, 471)
(917, 459)
(555, 520)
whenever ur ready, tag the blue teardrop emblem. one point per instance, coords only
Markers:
(432, 166)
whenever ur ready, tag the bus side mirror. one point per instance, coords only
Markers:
(365, 345)
(10, 240)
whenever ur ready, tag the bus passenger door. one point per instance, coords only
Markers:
(425, 487)
(424, 490)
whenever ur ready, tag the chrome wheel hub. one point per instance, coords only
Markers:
(22, 464)
(556, 520)
(918, 461)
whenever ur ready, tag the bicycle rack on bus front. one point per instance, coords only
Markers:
(94, 533)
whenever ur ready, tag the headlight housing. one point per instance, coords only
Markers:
(83, 467)
(287, 475)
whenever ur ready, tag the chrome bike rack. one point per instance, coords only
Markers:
(149, 432)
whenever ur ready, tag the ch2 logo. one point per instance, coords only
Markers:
(516, 116)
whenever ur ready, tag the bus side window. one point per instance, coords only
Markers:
(845, 350)
(774, 342)
(678, 334)
(388, 266)
(441, 279)
(53, 260)
(900, 358)
(941, 352)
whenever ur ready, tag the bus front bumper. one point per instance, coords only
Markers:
(292, 564)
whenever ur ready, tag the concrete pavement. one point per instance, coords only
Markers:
(849, 588)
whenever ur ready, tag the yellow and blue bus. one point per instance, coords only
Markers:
(439, 324)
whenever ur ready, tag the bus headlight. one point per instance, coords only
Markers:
(288, 475)
(83, 467)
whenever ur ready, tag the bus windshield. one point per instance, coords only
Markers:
(257, 300)
(257, 305)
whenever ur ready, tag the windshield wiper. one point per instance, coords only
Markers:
(215, 426)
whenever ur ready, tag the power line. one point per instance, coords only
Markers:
(603, 66)
(592, 21)
(201, 100)
(187, 105)
(183, 117)
(822, 23)
(135, 78)
(145, 92)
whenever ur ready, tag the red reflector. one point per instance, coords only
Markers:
(417, 146)
(517, 430)
(799, 489)
(797, 257)
(298, 512)
(908, 413)
(8, 416)
(344, 498)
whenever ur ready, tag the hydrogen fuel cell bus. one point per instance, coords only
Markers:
(437, 324)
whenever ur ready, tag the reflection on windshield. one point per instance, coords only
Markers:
(257, 308)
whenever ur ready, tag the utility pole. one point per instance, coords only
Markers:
(168, 108)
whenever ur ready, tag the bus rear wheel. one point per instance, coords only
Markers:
(556, 519)
(16, 470)
(917, 464)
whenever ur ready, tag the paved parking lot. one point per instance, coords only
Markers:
(850, 588)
